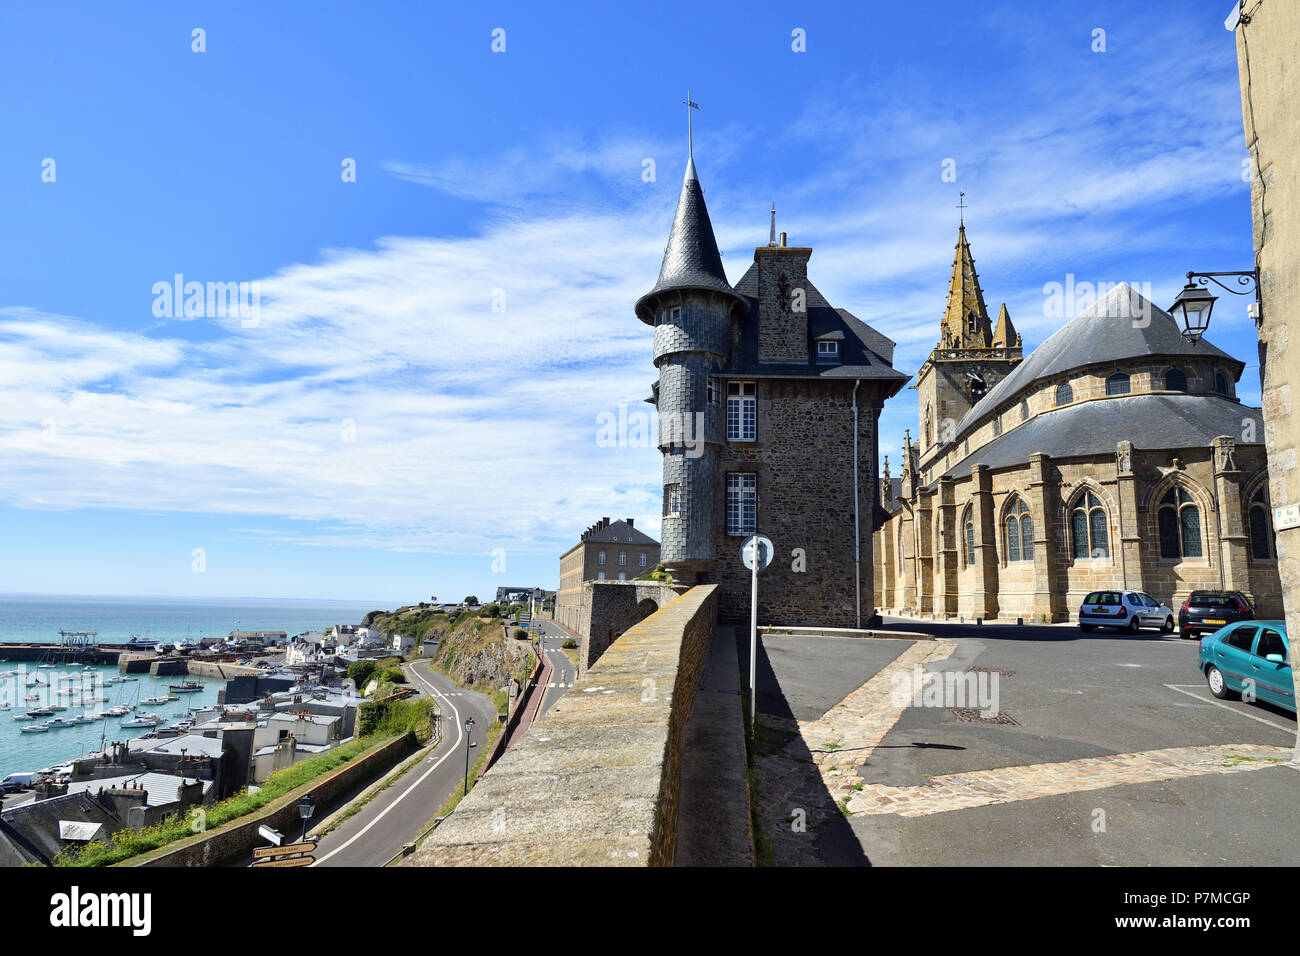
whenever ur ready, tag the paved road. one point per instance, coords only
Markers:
(562, 675)
(1072, 696)
(377, 832)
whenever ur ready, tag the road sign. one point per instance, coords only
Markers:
(271, 835)
(765, 551)
(1286, 517)
(265, 852)
(289, 861)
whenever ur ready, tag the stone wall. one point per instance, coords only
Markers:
(1267, 39)
(237, 840)
(595, 781)
(610, 607)
(803, 459)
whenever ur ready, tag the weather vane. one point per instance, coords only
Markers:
(690, 139)
(961, 207)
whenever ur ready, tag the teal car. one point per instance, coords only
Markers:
(1251, 659)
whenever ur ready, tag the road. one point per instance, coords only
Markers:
(1108, 750)
(376, 833)
(562, 676)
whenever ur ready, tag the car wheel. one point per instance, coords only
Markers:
(1169, 626)
(1085, 628)
(1188, 633)
(1218, 684)
(1133, 625)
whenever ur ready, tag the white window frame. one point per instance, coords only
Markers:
(643, 560)
(742, 411)
(673, 499)
(827, 350)
(742, 503)
(622, 559)
(600, 557)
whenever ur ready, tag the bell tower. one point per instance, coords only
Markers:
(972, 356)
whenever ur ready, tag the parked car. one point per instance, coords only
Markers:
(1252, 656)
(1211, 610)
(1128, 610)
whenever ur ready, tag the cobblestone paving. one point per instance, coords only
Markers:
(981, 788)
(809, 770)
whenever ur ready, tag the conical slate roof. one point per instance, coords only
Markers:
(691, 260)
(1123, 324)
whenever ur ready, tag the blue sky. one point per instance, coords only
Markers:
(412, 410)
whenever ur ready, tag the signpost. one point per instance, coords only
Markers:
(271, 835)
(756, 553)
(269, 852)
(295, 854)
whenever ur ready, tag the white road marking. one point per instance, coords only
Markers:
(1182, 689)
(405, 793)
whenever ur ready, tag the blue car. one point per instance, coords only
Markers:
(1251, 658)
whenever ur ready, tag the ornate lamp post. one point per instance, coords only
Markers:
(1195, 302)
(305, 809)
(469, 727)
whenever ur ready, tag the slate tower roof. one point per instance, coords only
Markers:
(691, 259)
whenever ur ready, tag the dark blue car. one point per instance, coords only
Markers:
(1251, 658)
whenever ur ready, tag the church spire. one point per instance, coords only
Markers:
(965, 319)
(1005, 335)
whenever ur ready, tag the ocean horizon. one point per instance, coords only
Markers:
(39, 617)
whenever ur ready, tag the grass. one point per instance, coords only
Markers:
(201, 819)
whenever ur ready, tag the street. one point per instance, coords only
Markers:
(1102, 749)
(552, 638)
(376, 833)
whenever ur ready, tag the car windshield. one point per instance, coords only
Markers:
(1208, 599)
(1102, 597)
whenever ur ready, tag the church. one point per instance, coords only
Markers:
(1115, 455)
(768, 399)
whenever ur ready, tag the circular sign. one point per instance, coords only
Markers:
(766, 551)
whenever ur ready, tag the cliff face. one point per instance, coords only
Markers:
(473, 650)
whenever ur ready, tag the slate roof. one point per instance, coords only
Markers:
(864, 352)
(617, 532)
(691, 259)
(1149, 421)
(1106, 332)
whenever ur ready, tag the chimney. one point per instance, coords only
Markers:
(783, 240)
(629, 521)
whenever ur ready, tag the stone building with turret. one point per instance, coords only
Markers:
(768, 400)
(1116, 455)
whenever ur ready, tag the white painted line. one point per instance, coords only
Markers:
(1181, 688)
(405, 793)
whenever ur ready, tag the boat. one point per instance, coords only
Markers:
(59, 722)
(143, 720)
(57, 706)
(41, 712)
(36, 729)
(43, 666)
(189, 687)
(158, 700)
(21, 717)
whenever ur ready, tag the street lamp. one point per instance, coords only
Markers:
(1195, 302)
(305, 809)
(469, 727)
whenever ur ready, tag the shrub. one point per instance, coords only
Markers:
(392, 675)
(490, 610)
(569, 642)
(521, 634)
(361, 671)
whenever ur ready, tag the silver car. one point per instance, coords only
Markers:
(1129, 610)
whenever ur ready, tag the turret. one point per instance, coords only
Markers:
(691, 308)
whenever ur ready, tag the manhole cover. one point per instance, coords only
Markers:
(989, 670)
(975, 717)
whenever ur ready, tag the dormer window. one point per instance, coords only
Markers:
(828, 350)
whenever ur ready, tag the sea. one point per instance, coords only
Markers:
(39, 618)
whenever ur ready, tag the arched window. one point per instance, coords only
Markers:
(1220, 383)
(1064, 394)
(902, 552)
(1261, 527)
(968, 529)
(1019, 526)
(1090, 530)
(1180, 525)
(1024, 410)
(1175, 380)
(1118, 384)
(997, 426)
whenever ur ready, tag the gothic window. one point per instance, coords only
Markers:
(997, 426)
(971, 322)
(968, 530)
(978, 387)
(928, 427)
(1261, 527)
(902, 552)
(672, 499)
(1175, 380)
(1064, 394)
(1179, 522)
(1024, 410)
(742, 413)
(742, 503)
(1019, 525)
(1118, 384)
(1089, 528)
(1220, 383)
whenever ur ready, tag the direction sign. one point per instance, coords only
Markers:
(266, 852)
(290, 861)
(271, 835)
(765, 551)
